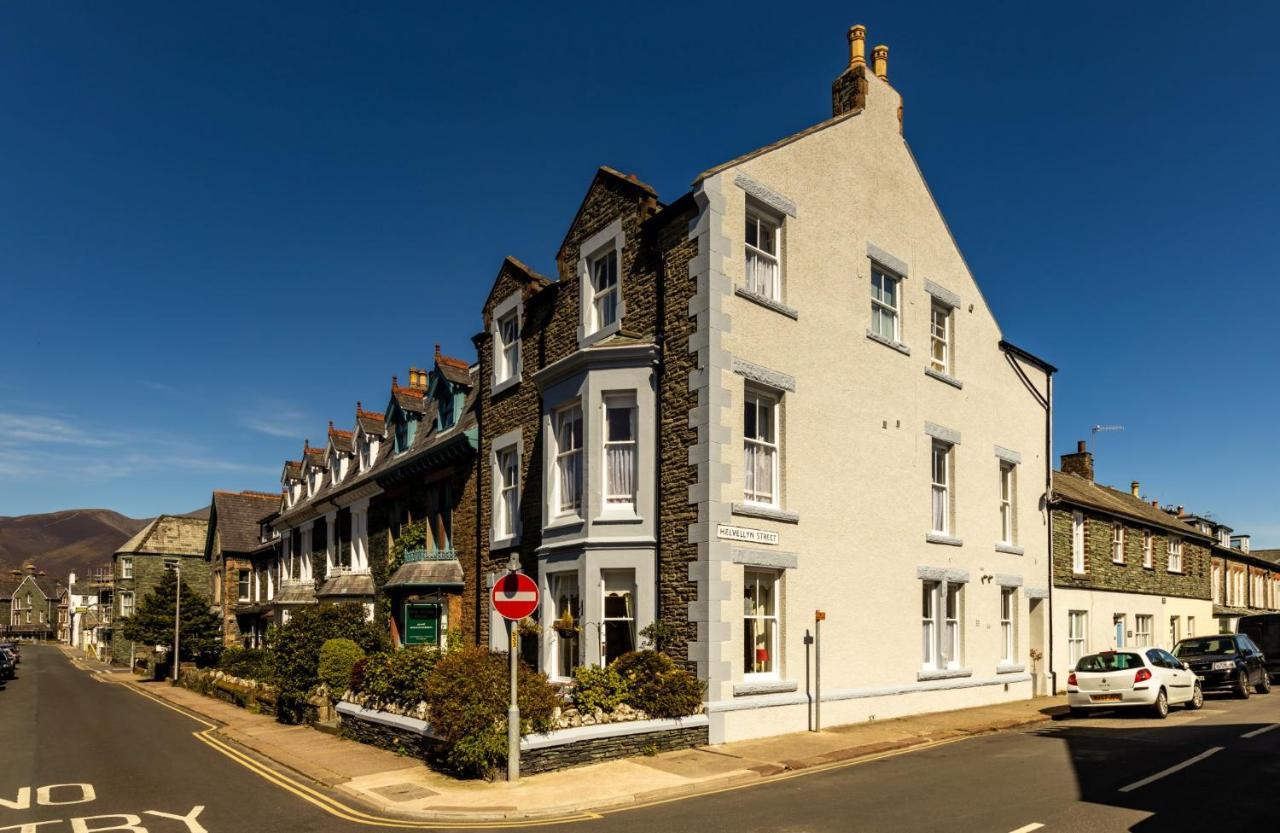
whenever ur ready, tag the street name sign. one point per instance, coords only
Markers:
(746, 534)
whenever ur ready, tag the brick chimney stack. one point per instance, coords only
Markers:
(1080, 463)
(849, 90)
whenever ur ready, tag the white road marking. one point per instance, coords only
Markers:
(1171, 770)
(1261, 731)
(1035, 825)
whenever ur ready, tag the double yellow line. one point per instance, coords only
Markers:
(336, 808)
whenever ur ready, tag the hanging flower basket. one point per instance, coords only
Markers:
(566, 626)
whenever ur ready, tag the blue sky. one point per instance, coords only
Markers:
(193, 194)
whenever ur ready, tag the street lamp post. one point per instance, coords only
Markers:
(177, 608)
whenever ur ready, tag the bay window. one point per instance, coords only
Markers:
(620, 449)
(618, 636)
(568, 479)
(567, 623)
(760, 623)
(760, 447)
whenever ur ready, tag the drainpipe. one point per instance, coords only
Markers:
(1048, 502)
(659, 368)
(480, 607)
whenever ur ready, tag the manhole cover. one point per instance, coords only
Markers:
(404, 792)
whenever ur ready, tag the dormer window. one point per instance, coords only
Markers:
(402, 434)
(364, 453)
(446, 411)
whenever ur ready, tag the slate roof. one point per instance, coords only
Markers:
(410, 399)
(238, 517)
(427, 573)
(347, 584)
(425, 441)
(1071, 488)
(293, 469)
(370, 422)
(169, 535)
(1272, 556)
(342, 440)
(315, 457)
(292, 594)
(456, 371)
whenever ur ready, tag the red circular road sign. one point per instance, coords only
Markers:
(515, 596)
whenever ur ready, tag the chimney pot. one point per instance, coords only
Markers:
(1135, 488)
(1080, 446)
(880, 61)
(1155, 504)
(857, 45)
(395, 381)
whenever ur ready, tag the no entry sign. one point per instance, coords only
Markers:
(515, 596)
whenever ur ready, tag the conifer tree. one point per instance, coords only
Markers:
(152, 621)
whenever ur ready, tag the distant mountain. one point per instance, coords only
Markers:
(59, 542)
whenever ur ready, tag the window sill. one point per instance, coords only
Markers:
(506, 384)
(943, 674)
(939, 538)
(619, 516)
(748, 687)
(890, 343)
(1074, 574)
(1010, 668)
(562, 522)
(1176, 573)
(1011, 549)
(766, 302)
(943, 377)
(504, 543)
(771, 513)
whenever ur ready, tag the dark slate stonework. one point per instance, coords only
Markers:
(533, 761)
(1101, 573)
(391, 738)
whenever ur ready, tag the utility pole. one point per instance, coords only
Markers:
(177, 619)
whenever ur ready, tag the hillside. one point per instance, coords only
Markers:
(59, 542)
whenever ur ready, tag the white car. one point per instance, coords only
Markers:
(1147, 677)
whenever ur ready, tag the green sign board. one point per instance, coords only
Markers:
(421, 623)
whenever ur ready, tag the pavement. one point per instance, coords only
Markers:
(158, 753)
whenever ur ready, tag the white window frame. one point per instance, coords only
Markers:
(1008, 624)
(127, 607)
(244, 579)
(753, 446)
(1078, 565)
(943, 338)
(770, 285)
(1117, 543)
(555, 583)
(1148, 549)
(126, 566)
(757, 577)
(568, 457)
(941, 489)
(881, 277)
(1143, 625)
(501, 452)
(1174, 548)
(929, 623)
(611, 239)
(620, 500)
(1077, 636)
(601, 291)
(943, 635)
(1008, 502)
(630, 618)
(507, 356)
(1175, 631)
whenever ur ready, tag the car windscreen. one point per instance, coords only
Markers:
(1109, 662)
(1204, 647)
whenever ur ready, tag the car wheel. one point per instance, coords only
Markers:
(1197, 700)
(1242, 685)
(1264, 683)
(1161, 706)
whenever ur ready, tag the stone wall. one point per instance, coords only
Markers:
(595, 750)
(1101, 573)
(147, 571)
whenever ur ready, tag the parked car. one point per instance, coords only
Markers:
(1226, 662)
(8, 664)
(13, 649)
(1152, 679)
(1264, 631)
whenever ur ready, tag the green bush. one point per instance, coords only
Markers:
(467, 698)
(598, 688)
(337, 656)
(395, 678)
(247, 663)
(296, 649)
(658, 686)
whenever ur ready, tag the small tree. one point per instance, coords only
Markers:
(296, 648)
(152, 622)
(337, 656)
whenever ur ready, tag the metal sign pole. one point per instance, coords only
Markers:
(513, 712)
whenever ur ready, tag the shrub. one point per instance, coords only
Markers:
(598, 688)
(395, 678)
(247, 663)
(296, 650)
(658, 686)
(467, 698)
(337, 656)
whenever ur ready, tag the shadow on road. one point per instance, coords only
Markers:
(1224, 778)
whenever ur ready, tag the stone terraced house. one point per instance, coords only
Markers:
(345, 506)
(1126, 573)
(236, 534)
(781, 392)
(167, 542)
(1245, 582)
(29, 604)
